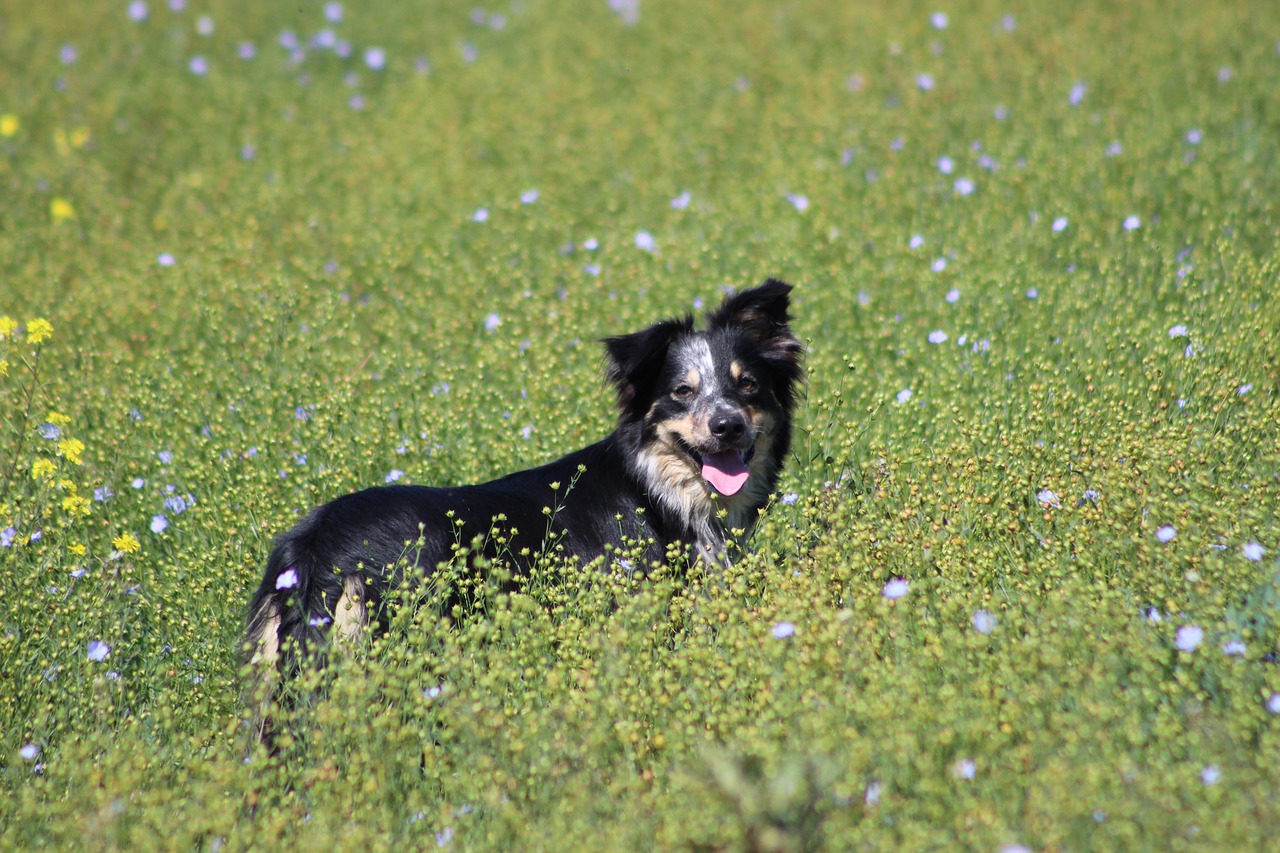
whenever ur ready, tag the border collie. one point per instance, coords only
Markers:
(704, 424)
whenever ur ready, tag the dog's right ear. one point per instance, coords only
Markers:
(636, 360)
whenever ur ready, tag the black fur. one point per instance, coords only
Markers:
(642, 483)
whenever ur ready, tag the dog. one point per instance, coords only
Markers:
(704, 425)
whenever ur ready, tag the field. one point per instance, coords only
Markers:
(1020, 585)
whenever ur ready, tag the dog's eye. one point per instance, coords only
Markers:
(747, 385)
(683, 391)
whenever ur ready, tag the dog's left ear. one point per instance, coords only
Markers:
(761, 314)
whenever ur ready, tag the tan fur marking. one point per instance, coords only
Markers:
(693, 377)
(267, 642)
(350, 616)
(735, 370)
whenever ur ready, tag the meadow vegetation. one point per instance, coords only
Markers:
(1019, 586)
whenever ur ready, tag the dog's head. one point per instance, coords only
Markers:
(708, 412)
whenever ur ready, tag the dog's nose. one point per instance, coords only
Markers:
(728, 426)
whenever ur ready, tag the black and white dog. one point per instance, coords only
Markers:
(704, 424)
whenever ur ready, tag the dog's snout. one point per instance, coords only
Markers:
(728, 426)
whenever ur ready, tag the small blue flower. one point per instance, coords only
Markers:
(50, 431)
(7, 536)
(159, 524)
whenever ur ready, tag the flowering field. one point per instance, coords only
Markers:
(1019, 588)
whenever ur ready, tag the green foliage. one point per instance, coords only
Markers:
(1020, 584)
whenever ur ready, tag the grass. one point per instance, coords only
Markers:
(271, 282)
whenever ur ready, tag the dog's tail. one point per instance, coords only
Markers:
(299, 602)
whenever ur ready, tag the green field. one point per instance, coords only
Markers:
(1021, 582)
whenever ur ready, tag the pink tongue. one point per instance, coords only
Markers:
(726, 471)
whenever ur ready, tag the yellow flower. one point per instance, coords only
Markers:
(60, 210)
(9, 124)
(42, 469)
(77, 549)
(72, 449)
(58, 419)
(38, 330)
(4, 367)
(8, 326)
(127, 543)
(76, 505)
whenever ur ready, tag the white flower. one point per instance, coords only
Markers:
(204, 25)
(939, 265)
(528, 196)
(1132, 223)
(394, 474)
(904, 395)
(790, 498)
(333, 12)
(895, 589)
(965, 768)
(937, 337)
(1153, 615)
(1166, 533)
(1189, 638)
(871, 796)
(137, 10)
(984, 622)
(288, 579)
(590, 244)
(953, 296)
(964, 186)
(939, 20)
(493, 321)
(1244, 389)
(783, 630)
(1077, 93)
(1060, 224)
(29, 752)
(375, 58)
(681, 201)
(946, 165)
(165, 259)
(1178, 331)
(1273, 703)
(1210, 775)
(799, 202)
(645, 242)
(159, 524)
(199, 66)
(924, 82)
(1049, 497)
(1032, 293)
(481, 215)
(98, 651)
(1194, 137)
(1234, 648)
(1252, 551)
(916, 241)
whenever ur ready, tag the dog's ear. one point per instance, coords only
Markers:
(635, 360)
(761, 313)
